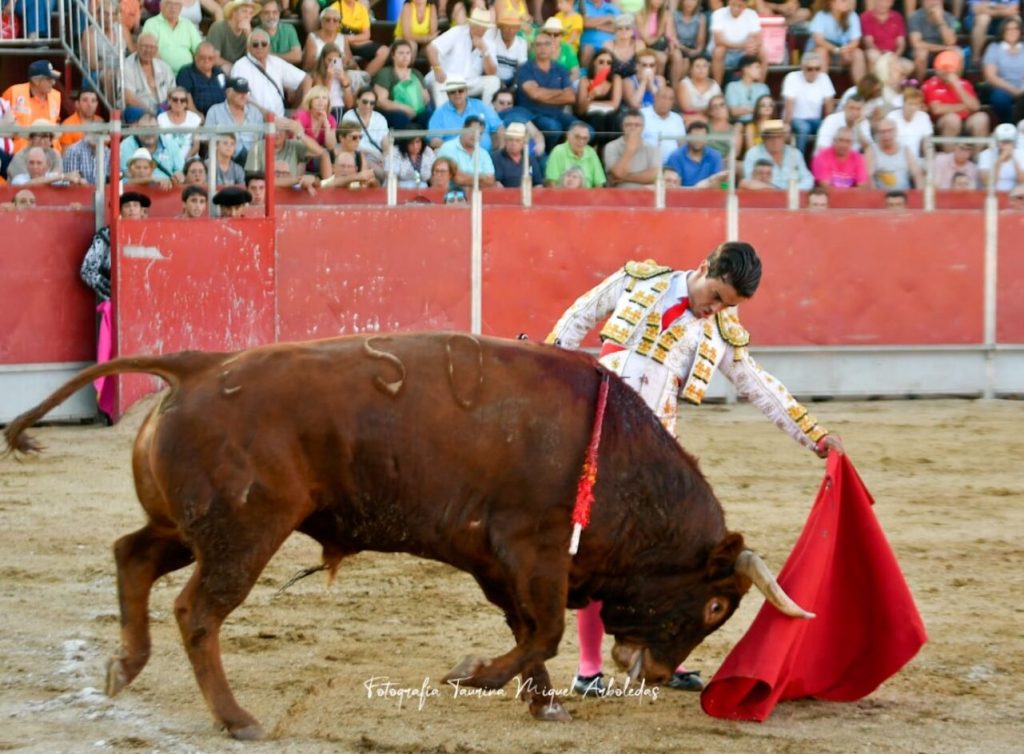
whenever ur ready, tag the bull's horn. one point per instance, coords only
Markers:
(750, 565)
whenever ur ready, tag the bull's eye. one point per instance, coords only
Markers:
(715, 610)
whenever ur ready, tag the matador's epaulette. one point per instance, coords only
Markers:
(732, 331)
(646, 270)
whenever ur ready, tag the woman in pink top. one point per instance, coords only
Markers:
(315, 116)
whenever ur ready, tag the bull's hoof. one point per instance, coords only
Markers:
(117, 676)
(466, 670)
(249, 732)
(550, 711)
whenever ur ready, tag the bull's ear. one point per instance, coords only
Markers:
(723, 557)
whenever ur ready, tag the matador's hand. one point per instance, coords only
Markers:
(827, 443)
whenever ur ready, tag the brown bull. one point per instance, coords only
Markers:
(461, 449)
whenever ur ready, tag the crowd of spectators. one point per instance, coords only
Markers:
(595, 94)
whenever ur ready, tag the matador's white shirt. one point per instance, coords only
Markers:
(679, 360)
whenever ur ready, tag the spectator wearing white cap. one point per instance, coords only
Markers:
(1003, 163)
(510, 161)
(34, 100)
(462, 51)
(453, 114)
(141, 171)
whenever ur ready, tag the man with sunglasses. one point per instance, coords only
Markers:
(453, 114)
(273, 82)
(809, 96)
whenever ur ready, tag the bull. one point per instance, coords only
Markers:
(461, 449)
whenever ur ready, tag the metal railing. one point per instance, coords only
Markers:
(88, 33)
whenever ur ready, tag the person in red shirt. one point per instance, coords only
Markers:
(952, 101)
(884, 30)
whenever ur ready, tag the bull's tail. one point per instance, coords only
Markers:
(170, 368)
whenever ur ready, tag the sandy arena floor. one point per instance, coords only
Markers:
(946, 476)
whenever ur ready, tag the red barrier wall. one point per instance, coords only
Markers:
(856, 277)
(1010, 291)
(366, 269)
(47, 312)
(201, 284)
(537, 262)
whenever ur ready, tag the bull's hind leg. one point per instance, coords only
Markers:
(533, 596)
(230, 555)
(142, 557)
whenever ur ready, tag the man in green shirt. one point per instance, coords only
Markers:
(575, 152)
(177, 37)
(231, 34)
(284, 40)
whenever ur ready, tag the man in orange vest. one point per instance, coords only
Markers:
(34, 100)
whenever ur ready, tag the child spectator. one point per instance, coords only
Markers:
(572, 23)
(742, 94)
(912, 123)
(193, 202)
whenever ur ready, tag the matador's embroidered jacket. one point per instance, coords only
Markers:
(665, 361)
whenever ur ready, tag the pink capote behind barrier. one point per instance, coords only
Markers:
(867, 626)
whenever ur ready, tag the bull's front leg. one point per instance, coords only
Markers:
(533, 599)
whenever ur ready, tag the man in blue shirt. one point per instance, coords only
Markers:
(455, 112)
(698, 167)
(509, 162)
(463, 152)
(203, 80)
(544, 90)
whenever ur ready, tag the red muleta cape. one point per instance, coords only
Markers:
(867, 625)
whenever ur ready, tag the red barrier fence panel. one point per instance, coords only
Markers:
(372, 269)
(199, 284)
(866, 278)
(1010, 289)
(538, 261)
(48, 314)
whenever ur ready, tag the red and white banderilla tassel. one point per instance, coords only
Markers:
(585, 488)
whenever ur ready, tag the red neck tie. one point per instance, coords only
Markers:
(674, 312)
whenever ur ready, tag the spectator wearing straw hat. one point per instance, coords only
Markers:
(34, 100)
(454, 112)
(507, 47)
(463, 51)
(177, 37)
(141, 171)
(951, 99)
(230, 34)
(567, 56)
(510, 161)
(787, 162)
